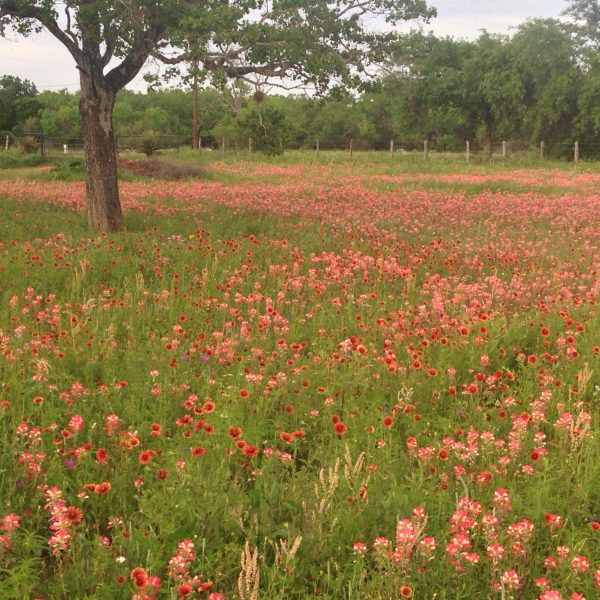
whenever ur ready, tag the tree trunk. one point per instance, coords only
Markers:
(95, 108)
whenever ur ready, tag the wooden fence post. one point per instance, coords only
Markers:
(425, 149)
(576, 151)
(541, 150)
(351, 141)
(249, 145)
(317, 146)
(503, 150)
(392, 148)
(6, 144)
(468, 151)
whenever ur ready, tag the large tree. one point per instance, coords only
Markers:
(110, 42)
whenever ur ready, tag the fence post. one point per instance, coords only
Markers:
(223, 146)
(541, 150)
(6, 144)
(42, 148)
(576, 152)
(392, 148)
(351, 141)
(317, 147)
(503, 150)
(425, 149)
(250, 145)
(468, 151)
(65, 149)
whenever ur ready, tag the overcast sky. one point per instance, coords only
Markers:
(45, 62)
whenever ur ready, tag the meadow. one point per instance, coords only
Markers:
(303, 377)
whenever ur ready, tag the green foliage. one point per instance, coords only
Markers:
(546, 61)
(584, 23)
(149, 142)
(72, 169)
(539, 84)
(14, 159)
(28, 144)
(266, 126)
(17, 101)
(61, 122)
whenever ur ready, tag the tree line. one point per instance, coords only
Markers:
(540, 84)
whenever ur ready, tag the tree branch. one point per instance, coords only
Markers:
(12, 8)
(131, 65)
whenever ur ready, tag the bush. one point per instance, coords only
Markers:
(14, 160)
(149, 143)
(28, 144)
(69, 170)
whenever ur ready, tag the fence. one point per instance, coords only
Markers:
(56, 148)
(467, 151)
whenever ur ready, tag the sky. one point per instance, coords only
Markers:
(49, 66)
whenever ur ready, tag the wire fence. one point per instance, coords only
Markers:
(54, 148)
(430, 149)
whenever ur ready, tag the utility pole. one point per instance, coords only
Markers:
(196, 120)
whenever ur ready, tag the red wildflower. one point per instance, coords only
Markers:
(101, 455)
(102, 488)
(340, 428)
(250, 451)
(235, 432)
(139, 577)
(145, 457)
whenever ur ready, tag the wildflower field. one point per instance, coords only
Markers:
(291, 380)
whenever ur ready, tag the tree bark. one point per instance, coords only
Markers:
(95, 108)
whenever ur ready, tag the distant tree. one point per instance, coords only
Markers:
(546, 60)
(61, 122)
(427, 93)
(494, 89)
(338, 121)
(266, 125)
(110, 42)
(17, 101)
(584, 22)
